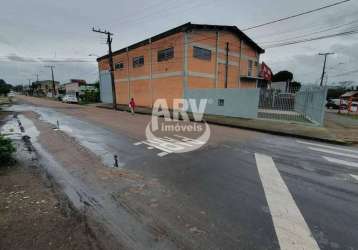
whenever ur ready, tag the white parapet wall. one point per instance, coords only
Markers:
(227, 102)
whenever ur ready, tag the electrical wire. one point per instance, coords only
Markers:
(312, 39)
(296, 15)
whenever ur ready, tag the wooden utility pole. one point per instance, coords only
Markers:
(324, 65)
(53, 79)
(111, 67)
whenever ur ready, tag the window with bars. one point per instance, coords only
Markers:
(165, 54)
(138, 61)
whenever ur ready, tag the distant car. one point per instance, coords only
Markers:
(11, 94)
(70, 99)
(354, 107)
(335, 103)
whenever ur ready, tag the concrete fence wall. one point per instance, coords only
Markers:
(105, 86)
(311, 103)
(227, 102)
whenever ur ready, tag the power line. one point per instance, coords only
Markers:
(296, 15)
(312, 39)
(312, 33)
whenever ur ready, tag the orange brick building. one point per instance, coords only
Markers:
(189, 56)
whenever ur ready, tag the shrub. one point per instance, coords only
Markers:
(6, 149)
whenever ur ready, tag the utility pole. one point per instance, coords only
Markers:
(324, 64)
(53, 79)
(111, 67)
(29, 85)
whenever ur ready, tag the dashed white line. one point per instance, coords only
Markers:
(333, 152)
(327, 146)
(291, 228)
(343, 162)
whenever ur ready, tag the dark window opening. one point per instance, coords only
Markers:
(165, 54)
(138, 61)
(221, 102)
(118, 66)
(250, 67)
(201, 53)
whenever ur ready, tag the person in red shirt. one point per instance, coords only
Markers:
(132, 105)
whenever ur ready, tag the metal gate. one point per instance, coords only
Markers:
(105, 87)
(305, 105)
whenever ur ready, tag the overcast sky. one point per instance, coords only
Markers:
(59, 31)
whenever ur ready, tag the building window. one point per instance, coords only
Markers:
(249, 68)
(201, 53)
(221, 102)
(165, 54)
(119, 66)
(138, 61)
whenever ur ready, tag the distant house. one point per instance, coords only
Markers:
(73, 86)
(351, 95)
(45, 88)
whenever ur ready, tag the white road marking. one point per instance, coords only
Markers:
(343, 162)
(327, 146)
(291, 228)
(354, 176)
(333, 152)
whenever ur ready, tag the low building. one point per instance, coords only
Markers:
(73, 86)
(350, 96)
(45, 88)
(191, 56)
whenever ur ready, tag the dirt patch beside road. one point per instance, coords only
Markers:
(343, 127)
(31, 217)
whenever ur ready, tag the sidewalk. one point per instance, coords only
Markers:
(337, 135)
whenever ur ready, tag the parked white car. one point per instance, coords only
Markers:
(70, 99)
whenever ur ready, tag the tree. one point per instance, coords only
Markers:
(295, 86)
(282, 76)
(4, 87)
(18, 88)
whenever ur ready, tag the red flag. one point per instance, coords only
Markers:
(266, 72)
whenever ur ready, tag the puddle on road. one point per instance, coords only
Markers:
(86, 134)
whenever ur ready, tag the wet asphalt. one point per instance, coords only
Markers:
(221, 181)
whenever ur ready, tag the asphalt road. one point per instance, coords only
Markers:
(241, 190)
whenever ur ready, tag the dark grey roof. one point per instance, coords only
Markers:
(187, 27)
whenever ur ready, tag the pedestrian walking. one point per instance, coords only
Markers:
(132, 105)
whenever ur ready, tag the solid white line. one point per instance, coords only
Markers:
(333, 152)
(291, 228)
(354, 176)
(327, 146)
(347, 163)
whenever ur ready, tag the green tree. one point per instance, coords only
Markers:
(4, 87)
(295, 86)
(282, 76)
(6, 149)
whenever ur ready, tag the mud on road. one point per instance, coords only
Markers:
(33, 214)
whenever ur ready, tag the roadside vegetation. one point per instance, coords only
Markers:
(6, 150)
